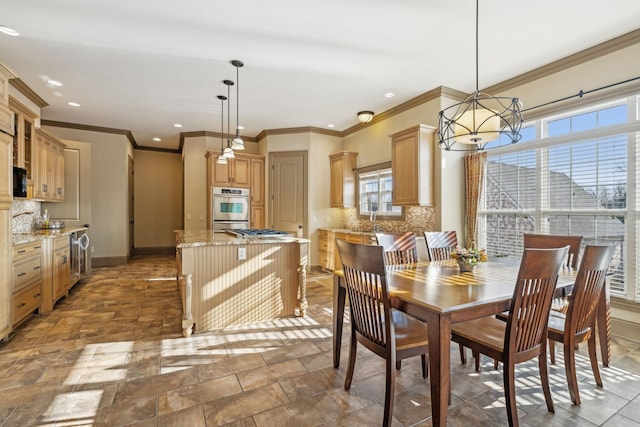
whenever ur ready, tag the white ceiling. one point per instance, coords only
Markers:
(143, 65)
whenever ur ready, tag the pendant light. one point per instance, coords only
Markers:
(222, 160)
(238, 143)
(480, 119)
(228, 151)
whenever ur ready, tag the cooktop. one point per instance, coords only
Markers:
(256, 232)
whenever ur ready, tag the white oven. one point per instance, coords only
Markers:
(230, 208)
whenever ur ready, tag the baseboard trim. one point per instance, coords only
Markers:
(108, 261)
(154, 250)
(625, 329)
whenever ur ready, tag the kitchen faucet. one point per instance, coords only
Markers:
(372, 218)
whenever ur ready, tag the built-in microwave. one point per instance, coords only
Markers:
(19, 182)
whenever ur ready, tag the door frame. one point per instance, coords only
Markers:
(305, 185)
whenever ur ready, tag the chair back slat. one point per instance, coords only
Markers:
(588, 287)
(440, 243)
(399, 248)
(365, 280)
(548, 241)
(531, 302)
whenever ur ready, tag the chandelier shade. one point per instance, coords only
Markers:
(481, 118)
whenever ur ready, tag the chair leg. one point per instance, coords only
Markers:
(352, 362)
(425, 366)
(389, 391)
(463, 354)
(552, 351)
(594, 359)
(496, 364)
(510, 393)
(544, 377)
(570, 372)
(398, 365)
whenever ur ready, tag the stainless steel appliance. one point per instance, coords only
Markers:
(257, 232)
(80, 259)
(230, 208)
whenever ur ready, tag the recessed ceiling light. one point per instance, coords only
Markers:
(54, 83)
(240, 127)
(9, 31)
(389, 95)
(156, 139)
(74, 104)
(178, 125)
(331, 125)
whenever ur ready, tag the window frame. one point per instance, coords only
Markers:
(379, 167)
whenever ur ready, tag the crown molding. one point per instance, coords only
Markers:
(207, 133)
(158, 149)
(91, 128)
(22, 87)
(594, 52)
(302, 129)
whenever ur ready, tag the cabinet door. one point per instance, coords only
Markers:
(61, 272)
(343, 179)
(241, 172)
(221, 176)
(412, 166)
(39, 166)
(337, 168)
(257, 181)
(256, 215)
(57, 179)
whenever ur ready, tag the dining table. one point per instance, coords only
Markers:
(438, 293)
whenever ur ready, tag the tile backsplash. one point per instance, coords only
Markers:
(24, 213)
(417, 219)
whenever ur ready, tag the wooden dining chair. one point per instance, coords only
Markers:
(545, 241)
(399, 248)
(578, 325)
(523, 336)
(440, 243)
(388, 333)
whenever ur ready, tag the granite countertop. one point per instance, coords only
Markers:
(349, 231)
(35, 235)
(196, 238)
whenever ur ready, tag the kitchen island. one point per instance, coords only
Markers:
(227, 280)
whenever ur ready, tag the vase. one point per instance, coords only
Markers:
(466, 267)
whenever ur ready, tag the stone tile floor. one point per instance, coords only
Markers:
(112, 354)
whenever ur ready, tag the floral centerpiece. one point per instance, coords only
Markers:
(468, 258)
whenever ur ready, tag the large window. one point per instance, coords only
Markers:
(572, 179)
(374, 193)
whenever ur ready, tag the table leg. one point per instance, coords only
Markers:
(604, 325)
(339, 296)
(439, 367)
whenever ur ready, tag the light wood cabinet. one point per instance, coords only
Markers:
(23, 132)
(343, 179)
(6, 115)
(328, 251)
(412, 166)
(56, 271)
(257, 193)
(27, 280)
(48, 176)
(236, 173)
(244, 171)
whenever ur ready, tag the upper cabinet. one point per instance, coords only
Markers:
(412, 166)
(257, 193)
(6, 115)
(343, 179)
(48, 168)
(236, 173)
(23, 134)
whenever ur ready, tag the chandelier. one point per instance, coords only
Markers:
(479, 119)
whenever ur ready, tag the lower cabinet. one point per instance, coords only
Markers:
(328, 251)
(27, 280)
(57, 271)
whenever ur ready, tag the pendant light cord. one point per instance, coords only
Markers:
(477, 68)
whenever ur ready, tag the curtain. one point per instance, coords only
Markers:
(474, 164)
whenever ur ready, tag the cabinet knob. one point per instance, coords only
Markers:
(21, 274)
(22, 305)
(36, 267)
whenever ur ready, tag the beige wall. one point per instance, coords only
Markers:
(158, 198)
(109, 157)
